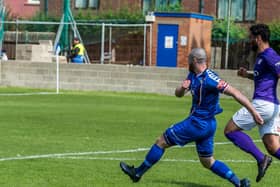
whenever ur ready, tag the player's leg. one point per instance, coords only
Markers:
(155, 153)
(204, 149)
(222, 170)
(243, 120)
(242, 140)
(174, 135)
(270, 135)
(272, 144)
(152, 157)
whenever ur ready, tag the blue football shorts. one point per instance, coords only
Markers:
(193, 129)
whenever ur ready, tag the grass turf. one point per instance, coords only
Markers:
(93, 131)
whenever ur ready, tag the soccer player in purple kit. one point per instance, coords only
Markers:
(200, 126)
(265, 76)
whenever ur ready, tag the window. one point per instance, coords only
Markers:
(152, 5)
(250, 13)
(241, 10)
(86, 3)
(33, 2)
(147, 5)
(173, 2)
(93, 3)
(81, 4)
(160, 4)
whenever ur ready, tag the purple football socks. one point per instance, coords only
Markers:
(244, 142)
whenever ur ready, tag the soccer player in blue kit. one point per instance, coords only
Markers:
(265, 76)
(200, 126)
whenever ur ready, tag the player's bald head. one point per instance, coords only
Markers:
(199, 54)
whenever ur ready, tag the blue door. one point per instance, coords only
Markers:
(167, 45)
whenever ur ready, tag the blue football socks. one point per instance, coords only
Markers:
(224, 171)
(244, 142)
(152, 157)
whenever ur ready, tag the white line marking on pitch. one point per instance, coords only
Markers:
(65, 155)
(26, 94)
(164, 160)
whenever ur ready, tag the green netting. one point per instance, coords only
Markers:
(2, 14)
(64, 39)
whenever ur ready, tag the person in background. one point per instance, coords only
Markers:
(77, 52)
(4, 56)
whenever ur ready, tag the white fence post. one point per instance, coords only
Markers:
(102, 44)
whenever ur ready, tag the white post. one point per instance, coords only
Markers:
(102, 44)
(16, 33)
(57, 74)
(228, 30)
(57, 51)
(144, 50)
(151, 43)
(110, 44)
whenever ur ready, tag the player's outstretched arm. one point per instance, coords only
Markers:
(243, 100)
(181, 90)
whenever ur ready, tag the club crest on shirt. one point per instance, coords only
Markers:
(256, 73)
(277, 63)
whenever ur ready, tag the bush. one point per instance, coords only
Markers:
(236, 32)
(275, 35)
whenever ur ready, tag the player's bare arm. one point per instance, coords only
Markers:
(242, 72)
(243, 100)
(181, 90)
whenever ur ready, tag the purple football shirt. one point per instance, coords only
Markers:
(266, 71)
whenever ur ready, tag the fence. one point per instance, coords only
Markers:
(239, 54)
(108, 43)
(105, 43)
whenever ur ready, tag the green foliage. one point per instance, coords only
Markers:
(124, 15)
(274, 27)
(43, 28)
(236, 32)
(176, 7)
(36, 27)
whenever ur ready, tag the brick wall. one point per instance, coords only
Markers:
(191, 5)
(55, 7)
(21, 9)
(194, 6)
(115, 5)
(268, 11)
(264, 7)
(210, 7)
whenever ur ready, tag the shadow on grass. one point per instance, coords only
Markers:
(182, 184)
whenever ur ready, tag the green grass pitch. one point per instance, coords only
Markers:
(77, 139)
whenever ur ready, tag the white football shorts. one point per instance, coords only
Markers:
(269, 112)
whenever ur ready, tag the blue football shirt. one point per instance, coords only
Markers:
(205, 89)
